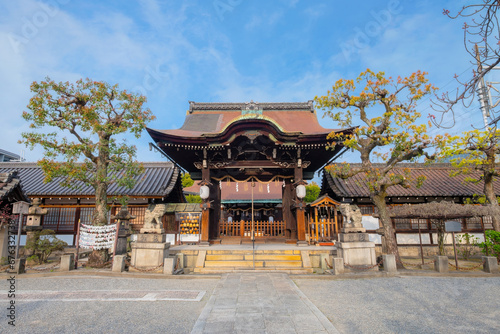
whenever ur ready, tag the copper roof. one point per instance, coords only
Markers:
(158, 179)
(438, 183)
(205, 119)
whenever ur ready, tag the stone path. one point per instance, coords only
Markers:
(260, 303)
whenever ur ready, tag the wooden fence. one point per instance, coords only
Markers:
(322, 230)
(262, 228)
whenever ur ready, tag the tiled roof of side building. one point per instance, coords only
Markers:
(158, 179)
(10, 188)
(438, 183)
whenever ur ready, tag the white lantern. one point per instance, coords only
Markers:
(301, 191)
(204, 192)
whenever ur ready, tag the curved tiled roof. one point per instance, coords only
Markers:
(438, 183)
(205, 119)
(158, 179)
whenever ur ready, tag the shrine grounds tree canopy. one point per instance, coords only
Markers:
(389, 132)
(477, 150)
(85, 118)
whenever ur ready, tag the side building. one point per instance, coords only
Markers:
(438, 186)
(160, 183)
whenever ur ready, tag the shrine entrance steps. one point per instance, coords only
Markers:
(223, 261)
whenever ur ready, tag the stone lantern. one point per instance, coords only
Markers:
(34, 220)
(123, 218)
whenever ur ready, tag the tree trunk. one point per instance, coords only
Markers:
(492, 199)
(440, 227)
(391, 245)
(99, 257)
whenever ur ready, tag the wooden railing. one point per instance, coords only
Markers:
(323, 230)
(243, 228)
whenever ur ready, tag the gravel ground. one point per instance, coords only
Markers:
(408, 304)
(106, 317)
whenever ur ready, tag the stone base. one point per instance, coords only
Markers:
(156, 238)
(118, 263)
(149, 251)
(357, 253)
(338, 266)
(441, 264)
(353, 230)
(490, 264)
(67, 262)
(152, 230)
(354, 237)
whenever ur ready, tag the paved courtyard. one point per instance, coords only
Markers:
(253, 303)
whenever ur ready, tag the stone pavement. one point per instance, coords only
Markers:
(260, 303)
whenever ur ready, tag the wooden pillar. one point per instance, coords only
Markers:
(215, 210)
(301, 225)
(205, 215)
(288, 217)
(299, 213)
(317, 222)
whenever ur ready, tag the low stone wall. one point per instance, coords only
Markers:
(429, 250)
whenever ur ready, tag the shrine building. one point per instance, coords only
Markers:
(255, 144)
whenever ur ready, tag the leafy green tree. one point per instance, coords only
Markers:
(43, 243)
(474, 151)
(193, 199)
(187, 181)
(492, 244)
(312, 192)
(466, 244)
(77, 125)
(389, 132)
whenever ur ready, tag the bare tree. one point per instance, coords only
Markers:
(481, 41)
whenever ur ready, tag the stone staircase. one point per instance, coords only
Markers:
(223, 261)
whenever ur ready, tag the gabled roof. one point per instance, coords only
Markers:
(10, 188)
(158, 180)
(323, 200)
(438, 183)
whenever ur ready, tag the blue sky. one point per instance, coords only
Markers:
(221, 51)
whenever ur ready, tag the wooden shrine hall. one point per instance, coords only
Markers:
(250, 142)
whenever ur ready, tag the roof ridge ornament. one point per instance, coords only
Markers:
(251, 108)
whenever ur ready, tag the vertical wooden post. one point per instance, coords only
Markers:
(336, 224)
(205, 215)
(290, 224)
(301, 228)
(242, 228)
(316, 223)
